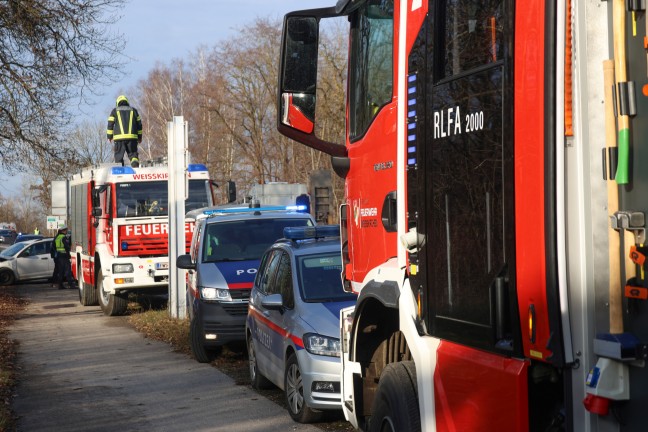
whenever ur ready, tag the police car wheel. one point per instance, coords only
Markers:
(294, 390)
(395, 406)
(258, 381)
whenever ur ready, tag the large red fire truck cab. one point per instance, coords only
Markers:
(476, 220)
(119, 221)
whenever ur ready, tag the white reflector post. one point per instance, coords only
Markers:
(177, 133)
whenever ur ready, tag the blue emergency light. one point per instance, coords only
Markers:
(122, 170)
(196, 167)
(313, 232)
(251, 209)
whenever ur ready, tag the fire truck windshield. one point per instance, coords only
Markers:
(151, 198)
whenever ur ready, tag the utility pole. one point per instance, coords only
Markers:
(178, 139)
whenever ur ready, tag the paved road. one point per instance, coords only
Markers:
(82, 371)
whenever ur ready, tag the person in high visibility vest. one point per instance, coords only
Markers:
(62, 245)
(125, 130)
(36, 231)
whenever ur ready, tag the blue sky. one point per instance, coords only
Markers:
(161, 30)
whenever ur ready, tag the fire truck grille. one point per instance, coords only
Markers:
(144, 246)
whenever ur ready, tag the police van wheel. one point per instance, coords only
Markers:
(294, 390)
(395, 406)
(111, 304)
(196, 340)
(258, 381)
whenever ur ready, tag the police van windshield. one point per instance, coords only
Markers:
(320, 278)
(244, 240)
(151, 198)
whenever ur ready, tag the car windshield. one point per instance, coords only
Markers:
(320, 278)
(151, 198)
(246, 239)
(12, 250)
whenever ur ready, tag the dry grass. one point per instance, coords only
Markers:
(10, 305)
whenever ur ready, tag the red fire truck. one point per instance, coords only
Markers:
(489, 251)
(119, 221)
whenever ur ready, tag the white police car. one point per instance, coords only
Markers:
(226, 248)
(293, 320)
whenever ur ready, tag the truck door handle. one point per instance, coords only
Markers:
(266, 313)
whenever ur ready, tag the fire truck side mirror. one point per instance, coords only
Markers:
(96, 211)
(299, 73)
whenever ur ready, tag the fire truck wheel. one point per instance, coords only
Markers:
(200, 353)
(395, 407)
(87, 295)
(111, 304)
(259, 382)
(294, 390)
(7, 277)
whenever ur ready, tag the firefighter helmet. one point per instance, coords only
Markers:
(120, 99)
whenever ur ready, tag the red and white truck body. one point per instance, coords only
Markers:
(119, 222)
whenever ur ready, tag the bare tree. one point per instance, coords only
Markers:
(52, 52)
(228, 96)
(90, 147)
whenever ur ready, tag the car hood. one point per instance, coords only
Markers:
(324, 318)
(228, 274)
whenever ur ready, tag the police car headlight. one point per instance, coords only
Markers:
(322, 345)
(122, 268)
(217, 294)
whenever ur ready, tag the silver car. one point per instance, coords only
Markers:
(28, 260)
(292, 327)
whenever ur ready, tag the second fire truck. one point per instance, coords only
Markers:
(119, 221)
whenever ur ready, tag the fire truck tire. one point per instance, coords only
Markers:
(87, 295)
(395, 406)
(111, 304)
(259, 382)
(200, 352)
(294, 391)
(7, 277)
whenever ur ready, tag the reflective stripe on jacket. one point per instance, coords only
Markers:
(58, 243)
(124, 123)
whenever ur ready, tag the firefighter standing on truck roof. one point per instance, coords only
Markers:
(125, 128)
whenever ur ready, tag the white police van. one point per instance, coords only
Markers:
(226, 249)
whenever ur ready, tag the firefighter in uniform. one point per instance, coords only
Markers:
(125, 129)
(62, 245)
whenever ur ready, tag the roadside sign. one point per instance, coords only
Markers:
(53, 222)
